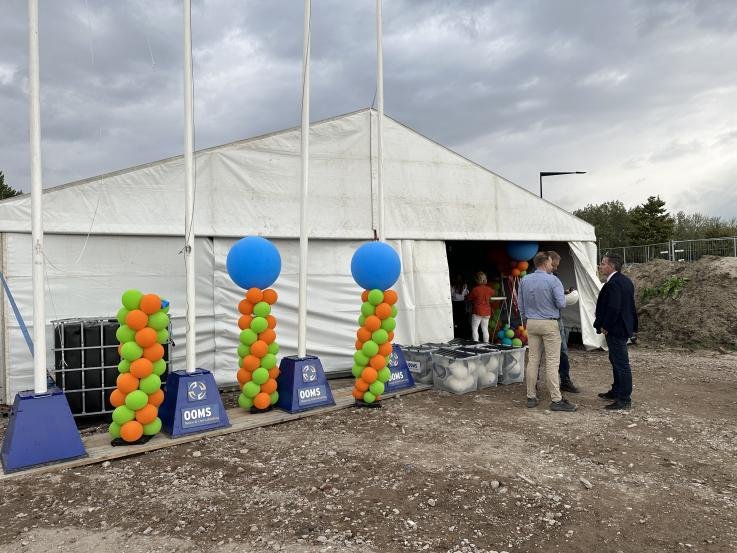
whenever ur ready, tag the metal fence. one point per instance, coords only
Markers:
(676, 250)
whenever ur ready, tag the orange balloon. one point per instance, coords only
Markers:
(127, 383)
(146, 337)
(142, 367)
(251, 363)
(383, 310)
(271, 321)
(157, 398)
(261, 401)
(245, 322)
(136, 319)
(259, 348)
(515, 272)
(363, 334)
(357, 394)
(385, 349)
(245, 307)
(391, 336)
(359, 345)
(361, 385)
(120, 346)
(117, 398)
(131, 431)
(369, 374)
(523, 265)
(147, 414)
(274, 372)
(269, 387)
(364, 295)
(390, 297)
(377, 398)
(372, 323)
(243, 376)
(150, 304)
(270, 296)
(254, 295)
(154, 353)
(378, 362)
(267, 336)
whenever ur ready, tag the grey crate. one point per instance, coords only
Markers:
(455, 371)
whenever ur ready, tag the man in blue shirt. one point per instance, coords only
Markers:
(541, 298)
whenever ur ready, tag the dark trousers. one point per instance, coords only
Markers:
(619, 358)
(564, 369)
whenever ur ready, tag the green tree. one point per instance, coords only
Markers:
(651, 222)
(611, 221)
(5, 190)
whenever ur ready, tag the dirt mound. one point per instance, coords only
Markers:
(692, 305)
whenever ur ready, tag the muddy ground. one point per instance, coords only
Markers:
(428, 472)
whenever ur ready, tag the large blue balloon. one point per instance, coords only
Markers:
(253, 262)
(375, 265)
(522, 251)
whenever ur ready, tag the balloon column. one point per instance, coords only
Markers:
(516, 337)
(254, 264)
(143, 330)
(375, 266)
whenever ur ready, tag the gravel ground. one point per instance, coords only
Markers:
(427, 472)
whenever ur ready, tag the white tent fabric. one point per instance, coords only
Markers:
(584, 264)
(124, 229)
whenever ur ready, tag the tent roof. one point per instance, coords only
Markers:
(252, 187)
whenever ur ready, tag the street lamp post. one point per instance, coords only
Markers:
(552, 173)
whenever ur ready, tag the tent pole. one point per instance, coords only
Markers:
(39, 315)
(189, 267)
(305, 154)
(380, 106)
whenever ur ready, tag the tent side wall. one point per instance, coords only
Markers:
(3, 327)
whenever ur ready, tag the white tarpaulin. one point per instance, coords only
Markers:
(585, 263)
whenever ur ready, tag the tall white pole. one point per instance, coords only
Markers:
(189, 189)
(380, 106)
(305, 152)
(37, 231)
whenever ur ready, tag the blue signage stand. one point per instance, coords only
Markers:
(41, 430)
(400, 376)
(192, 404)
(302, 384)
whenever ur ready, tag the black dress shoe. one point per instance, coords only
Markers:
(569, 386)
(618, 405)
(607, 395)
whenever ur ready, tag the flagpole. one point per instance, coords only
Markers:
(380, 106)
(189, 267)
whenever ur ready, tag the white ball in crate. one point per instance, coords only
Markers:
(572, 298)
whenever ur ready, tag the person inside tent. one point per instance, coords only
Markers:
(458, 293)
(480, 300)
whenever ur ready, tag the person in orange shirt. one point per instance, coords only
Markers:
(480, 299)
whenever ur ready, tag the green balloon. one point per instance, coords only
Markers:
(123, 414)
(516, 342)
(122, 312)
(273, 348)
(162, 336)
(164, 309)
(136, 400)
(380, 336)
(375, 296)
(114, 429)
(356, 371)
(522, 274)
(394, 310)
(509, 333)
(368, 397)
(150, 384)
(261, 309)
(248, 336)
(243, 350)
(152, 428)
(370, 349)
(360, 358)
(259, 324)
(245, 402)
(124, 366)
(159, 367)
(250, 388)
(131, 351)
(125, 334)
(361, 320)
(273, 397)
(376, 387)
(385, 374)
(389, 324)
(132, 299)
(268, 361)
(260, 376)
(367, 309)
(158, 321)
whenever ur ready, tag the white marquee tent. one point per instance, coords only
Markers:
(124, 230)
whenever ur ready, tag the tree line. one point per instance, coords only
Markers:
(651, 223)
(6, 191)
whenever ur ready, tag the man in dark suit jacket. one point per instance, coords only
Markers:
(616, 317)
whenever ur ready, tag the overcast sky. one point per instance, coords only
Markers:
(641, 94)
